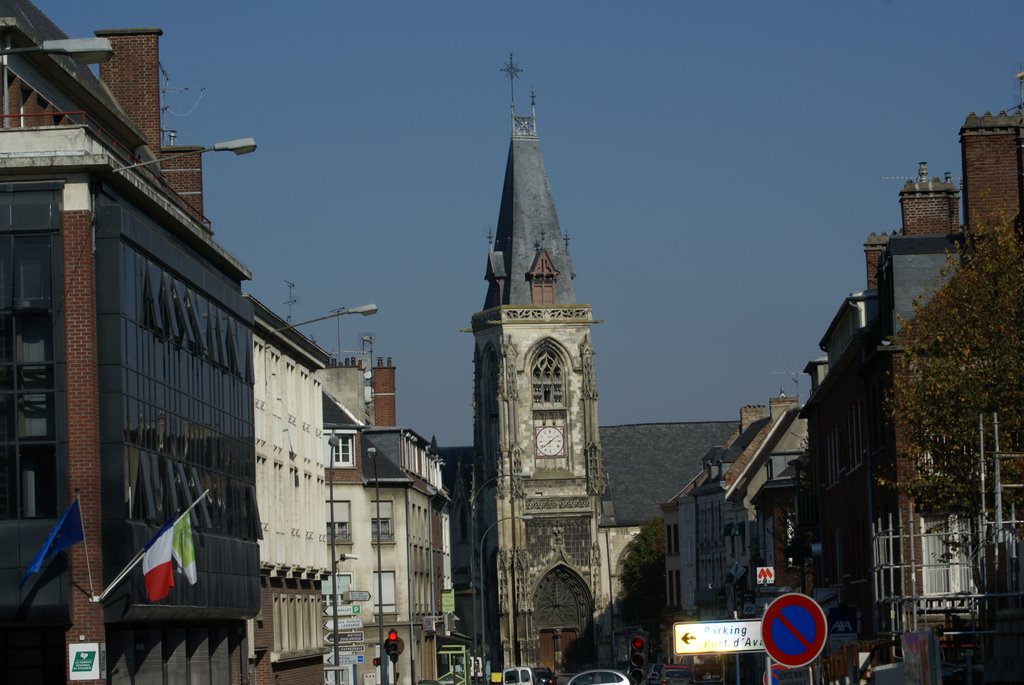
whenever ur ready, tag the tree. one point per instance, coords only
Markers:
(643, 575)
(963, 357)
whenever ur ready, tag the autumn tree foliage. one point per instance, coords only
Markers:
(643, 575)
(963, 357)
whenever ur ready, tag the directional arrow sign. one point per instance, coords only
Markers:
(356, 596)
(717, 637)
(348, 623)
(343, 610)
(346, 659)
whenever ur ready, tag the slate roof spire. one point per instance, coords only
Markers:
(527, 224)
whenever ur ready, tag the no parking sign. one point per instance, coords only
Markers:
(794, 630)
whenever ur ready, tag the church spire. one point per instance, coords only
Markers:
(526, 220)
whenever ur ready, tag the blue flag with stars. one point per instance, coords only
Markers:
(66, 533)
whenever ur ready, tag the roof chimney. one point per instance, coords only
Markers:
(133, 76)
(930, 206)
(993, 159)
(384, 394)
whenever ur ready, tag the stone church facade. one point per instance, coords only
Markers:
(538, 473)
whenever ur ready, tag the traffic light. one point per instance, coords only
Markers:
(392, 645)
(636, 659)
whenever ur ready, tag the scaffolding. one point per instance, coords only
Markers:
(952, 574)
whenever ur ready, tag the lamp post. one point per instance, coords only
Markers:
(240, 146)
(480, 553)
(334, 444)
(372, 453)
(82, 50)
(472, 553)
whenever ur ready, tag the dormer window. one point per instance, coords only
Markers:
(542, 276)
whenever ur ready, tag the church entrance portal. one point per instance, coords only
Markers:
(563, 611)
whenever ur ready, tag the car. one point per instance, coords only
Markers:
(517, 675)
(544, 676)
(600, 676)
(676, 674)
(654, 675)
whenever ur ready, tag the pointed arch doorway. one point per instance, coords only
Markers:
(563, 611)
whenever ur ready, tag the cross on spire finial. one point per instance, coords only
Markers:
(512, 71)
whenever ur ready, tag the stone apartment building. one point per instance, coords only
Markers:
(124, 322)
(286, 637)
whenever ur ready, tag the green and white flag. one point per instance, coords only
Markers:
(183, 551)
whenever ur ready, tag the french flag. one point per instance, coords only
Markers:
(156, 563)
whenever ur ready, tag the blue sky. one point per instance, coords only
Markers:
(716, 164)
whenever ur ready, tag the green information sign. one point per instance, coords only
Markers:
(447, 601)
(83, 662)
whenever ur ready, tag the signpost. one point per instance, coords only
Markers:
(346, 659)
(765, 575)
(355, 596)
(776, 669)
(343, 610)
(717, 637)
(794, 630)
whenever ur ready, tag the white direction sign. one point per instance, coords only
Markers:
(356, 596)
(348, 623)
(343, 610)
(717, 637)
(346, 659)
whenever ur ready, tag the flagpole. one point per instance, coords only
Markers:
(85, 542)
(138, 555)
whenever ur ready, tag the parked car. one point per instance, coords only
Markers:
(654, 675)
(544, 676)
(600, 676)
(676, 674)
(517, 675)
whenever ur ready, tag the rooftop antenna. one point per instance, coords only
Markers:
(512, 71)
(490, 240)
(793, 376)
(166, 89)
(291, 299)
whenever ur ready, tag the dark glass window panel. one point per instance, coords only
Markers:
(35, 377)
(183, 333)
(38, 477)
(6, 378)
(32, 273)
(8, 483)
(34, 210)
(132, 473)
(149, 316)
(35, 415)
(164, 301)
(171, 480)
(231, 362)
(197, 332)
(6, 417)
(6, 276)
(148, 496)
(154, 274)
(34, 338)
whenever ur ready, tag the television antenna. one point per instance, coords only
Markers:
(793, 376)
(292, 299)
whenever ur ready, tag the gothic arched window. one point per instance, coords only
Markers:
(547, 379)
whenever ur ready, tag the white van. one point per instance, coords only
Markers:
(517, 675)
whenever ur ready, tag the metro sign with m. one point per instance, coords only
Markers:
(765, 575)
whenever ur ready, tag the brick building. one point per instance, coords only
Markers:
(852, 440)
(126, 351)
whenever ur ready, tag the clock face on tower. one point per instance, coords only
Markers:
(550, 441)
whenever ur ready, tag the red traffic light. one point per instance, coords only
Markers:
(376, 661)
(638, 643)
(392, 634)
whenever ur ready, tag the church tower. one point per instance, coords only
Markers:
(538, 477)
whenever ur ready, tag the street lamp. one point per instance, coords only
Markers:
(483, 599)
(333, 441)
(372, 453)
(472, 541)
(240, 146)
(364, 309)
(82, 50)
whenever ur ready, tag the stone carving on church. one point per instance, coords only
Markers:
(521, 576)
(509, 360)
(524, 126)
(596, 482)
(595, 567)
(558, 504)
(546, 313)
(589, 379)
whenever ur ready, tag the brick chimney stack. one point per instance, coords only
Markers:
(993, 157)
(930, 206)
(750, 413)
(874, 248)
(384, 394)
(777, 406)
(133, 76)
